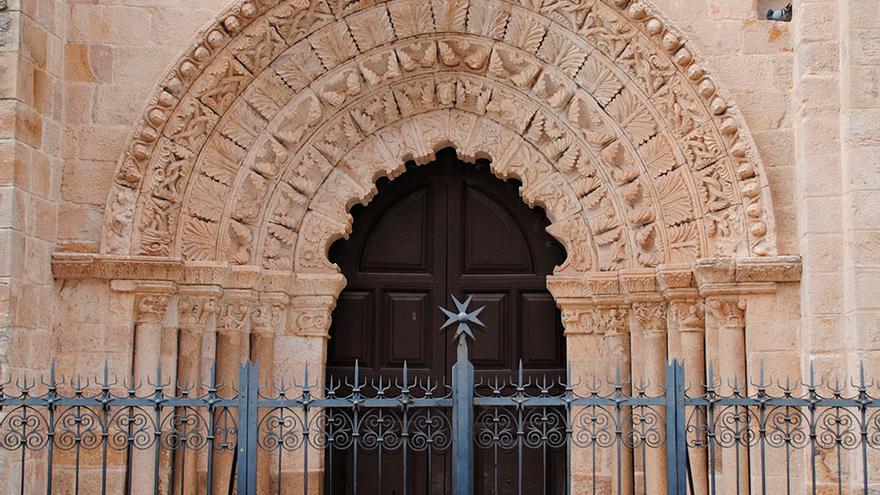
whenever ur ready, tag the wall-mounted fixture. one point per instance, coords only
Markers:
(782, 15)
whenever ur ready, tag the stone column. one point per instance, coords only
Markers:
(687, 322)
(150, 308)
(267, 318)
(648, 334)
(232, 321)
(195, 307)
(648, 323)
(611, 317)
(728, 323)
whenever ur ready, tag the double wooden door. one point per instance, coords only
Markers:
(444, 228)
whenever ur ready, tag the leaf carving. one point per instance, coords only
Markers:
(199, 239)
(525, 32)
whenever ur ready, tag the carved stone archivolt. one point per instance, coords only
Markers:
(284, 114)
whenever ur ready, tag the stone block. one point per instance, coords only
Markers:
(12, 252)
(817, 92)
(823, 252)
(79, 222)
(114, 24)
(765, 109)
(10, 31)
(34, 43)
(722, 38)
(820, 215)
(9, 75)
(864, 46)
(864, 127)
(819, 175)
(864, 86)
(864, 289)
(79, 101)
(101, 143)
(823, 333)
(865, 331)
(817, 21)
(77, 66)
(817, 57)
(820, 132)
(14, 160)
(863, 14)
(865, 210)
(42, 217)
(731, 9)
(864, 248)
(822, 293)
(28, 124)
(776, 147)
(766, 37)
(87, 182)
(115, 104)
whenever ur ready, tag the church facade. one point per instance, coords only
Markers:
(300, 183)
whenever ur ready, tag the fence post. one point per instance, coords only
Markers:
(462, 397)
(462, 422)
(248, 428)
(676, 433)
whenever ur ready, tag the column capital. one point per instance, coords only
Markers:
(728, 311)
(234, 309)
(312, 315)
(195, 304)
(689, 315)
(268, 314)
(650, 316)
(611, 319)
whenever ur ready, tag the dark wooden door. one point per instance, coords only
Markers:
(440, 229)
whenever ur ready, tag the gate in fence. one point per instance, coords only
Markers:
(517, 435)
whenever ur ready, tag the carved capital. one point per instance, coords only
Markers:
(611, 320)
(728, 312)
(650, 317)
(577, 319)
(195, 305)
(150, 308)
(312, 315)
(233, 312)
(268, 314)
(688, 315)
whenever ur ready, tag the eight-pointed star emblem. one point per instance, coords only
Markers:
(462, 317)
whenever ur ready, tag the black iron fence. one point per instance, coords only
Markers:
(403, 435)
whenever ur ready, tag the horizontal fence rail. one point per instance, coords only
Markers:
(397, 434)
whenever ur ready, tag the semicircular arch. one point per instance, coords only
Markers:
(282, 116)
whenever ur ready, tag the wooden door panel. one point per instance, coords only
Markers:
(492, 241)
(538, 348)
(408, 317)
(354, 319)
(494, 348)
(400, 240)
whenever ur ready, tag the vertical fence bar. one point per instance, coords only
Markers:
(248, 385)
(52, 396)
(676, 436)
(462, 422)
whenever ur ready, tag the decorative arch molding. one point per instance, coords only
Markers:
(283, 114)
